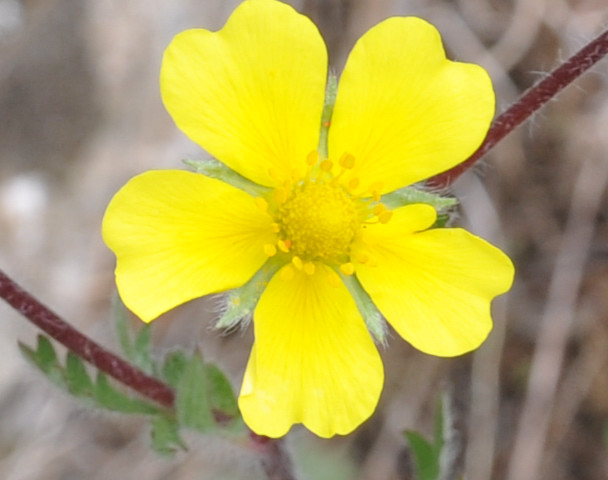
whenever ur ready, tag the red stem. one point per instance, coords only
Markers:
(534, 98)
(50, 323)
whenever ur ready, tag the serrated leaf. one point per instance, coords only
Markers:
(110, 398)
(45, 353)
(426, 457)
(221, 395)
(78, 381)
(165, 436)
(192, 402)
(174, 366)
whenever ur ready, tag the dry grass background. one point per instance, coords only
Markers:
(80, 113)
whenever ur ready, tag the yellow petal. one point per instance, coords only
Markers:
(434, 287)
(313, 361)
(252, 93)
(180, 235)
(405, 112)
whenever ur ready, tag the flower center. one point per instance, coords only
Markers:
(319, 220)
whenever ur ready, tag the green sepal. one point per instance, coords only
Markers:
(331, 92)
(410, 195)
(138, 350)
(165, 436)
(372, 317)
(192, 402)
(215, 169)
(241, 302)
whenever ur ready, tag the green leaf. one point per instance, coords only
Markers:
(426, 457)
(45, 359)
(78, 380)
(174, 366)
(138, 351)
(221, 395)
(110, 398)
(193, 402)
(122, 329)
(165, 436)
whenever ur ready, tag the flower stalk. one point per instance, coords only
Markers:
(532, 100)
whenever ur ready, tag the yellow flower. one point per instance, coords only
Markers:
(308, 230)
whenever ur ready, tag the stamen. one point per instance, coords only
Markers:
(312, 158)
(326, 165)
(275, 227)
(261, 203)
(347, 161)
(297, 262)
(287, 273)
(347, 268)
(270, 249)
(284, 245)
(375, 189)
(309, 268)
(379, 208)
(385, 216)
(353, 183)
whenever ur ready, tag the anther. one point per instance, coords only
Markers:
(287, 273)
(297, 262)
(385, 216)
(309, 268)
(284, 245)
(353, 183)
(312, 158)
(378, 208)
(275, 227)
(261, 203)
(270, 249)
(347, 268)
(375, 189)
(347, 161)
(326, 165)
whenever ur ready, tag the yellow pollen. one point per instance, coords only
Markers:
(312, 158)
(378, 209)
(353, 183)
(347, 268)
(283, 245)
(320, 219)
(297, 262)
(347, 161)
(270, 250)
(385, 216)
(326, 165)
(309, 268)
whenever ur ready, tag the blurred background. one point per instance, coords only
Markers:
(80, 113)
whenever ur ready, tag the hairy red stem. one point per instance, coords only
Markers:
(50, 323)
(534, 98)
